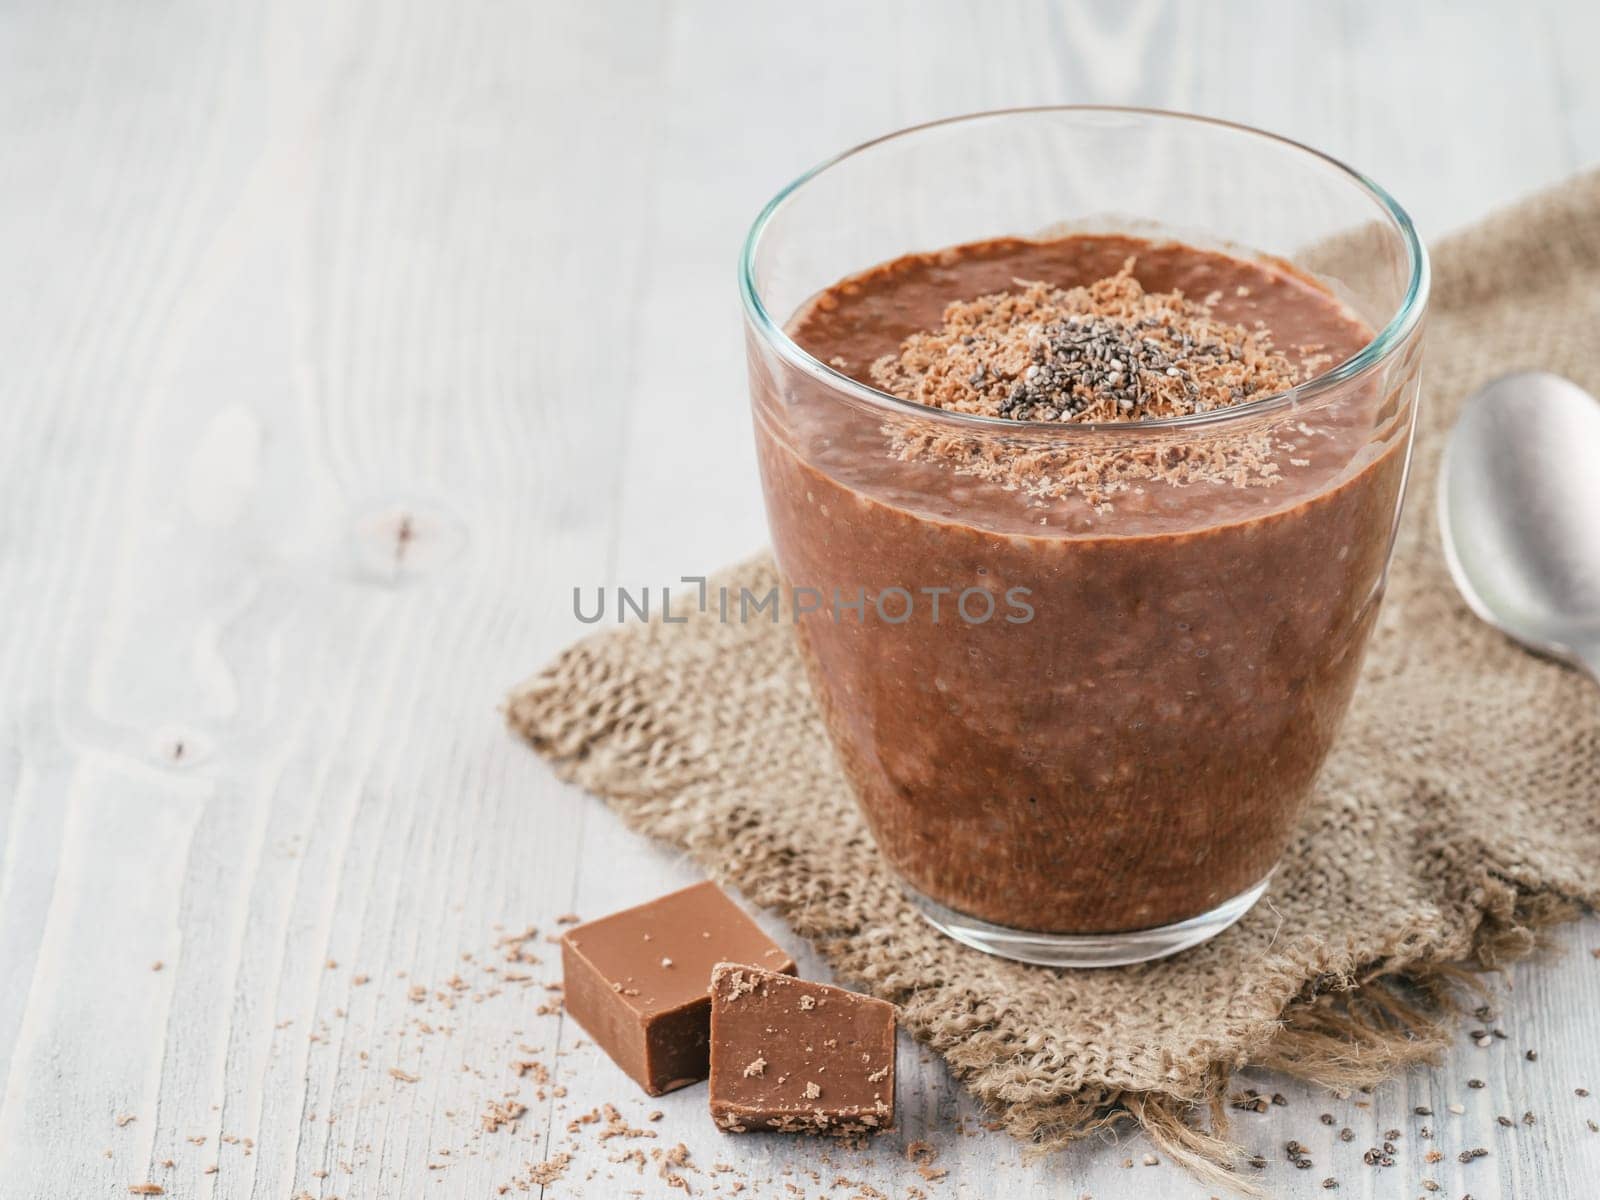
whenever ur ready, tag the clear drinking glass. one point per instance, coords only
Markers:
(1107, 766)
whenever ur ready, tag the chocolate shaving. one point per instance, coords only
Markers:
(1107, 352)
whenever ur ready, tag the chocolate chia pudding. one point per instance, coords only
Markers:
(1176, 613)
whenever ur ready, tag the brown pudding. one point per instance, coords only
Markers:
(1137, 750)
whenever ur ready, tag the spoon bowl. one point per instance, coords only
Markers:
(1519, 511)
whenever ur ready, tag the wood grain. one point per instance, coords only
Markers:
(340, 342)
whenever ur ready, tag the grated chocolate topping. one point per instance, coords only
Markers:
(1106, 352)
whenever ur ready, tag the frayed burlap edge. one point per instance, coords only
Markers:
(1354, 1035)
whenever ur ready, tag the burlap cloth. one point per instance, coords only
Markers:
(1458, 814)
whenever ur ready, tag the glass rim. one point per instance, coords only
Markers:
(1393, 334)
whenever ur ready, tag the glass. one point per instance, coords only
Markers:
(1083, 726)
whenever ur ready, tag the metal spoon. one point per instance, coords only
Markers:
(1519, 508)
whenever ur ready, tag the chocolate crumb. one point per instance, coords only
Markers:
(921, 1153)
(501, 1114)
(550, 1170)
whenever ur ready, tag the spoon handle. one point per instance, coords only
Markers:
(1587, 656)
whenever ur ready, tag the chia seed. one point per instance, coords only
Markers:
(1249, 1101)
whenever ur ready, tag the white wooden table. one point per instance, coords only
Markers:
(338, 342)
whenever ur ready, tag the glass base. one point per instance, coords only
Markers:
(1085, 949)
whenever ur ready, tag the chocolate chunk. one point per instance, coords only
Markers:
(639, 980)
(798, 1057)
